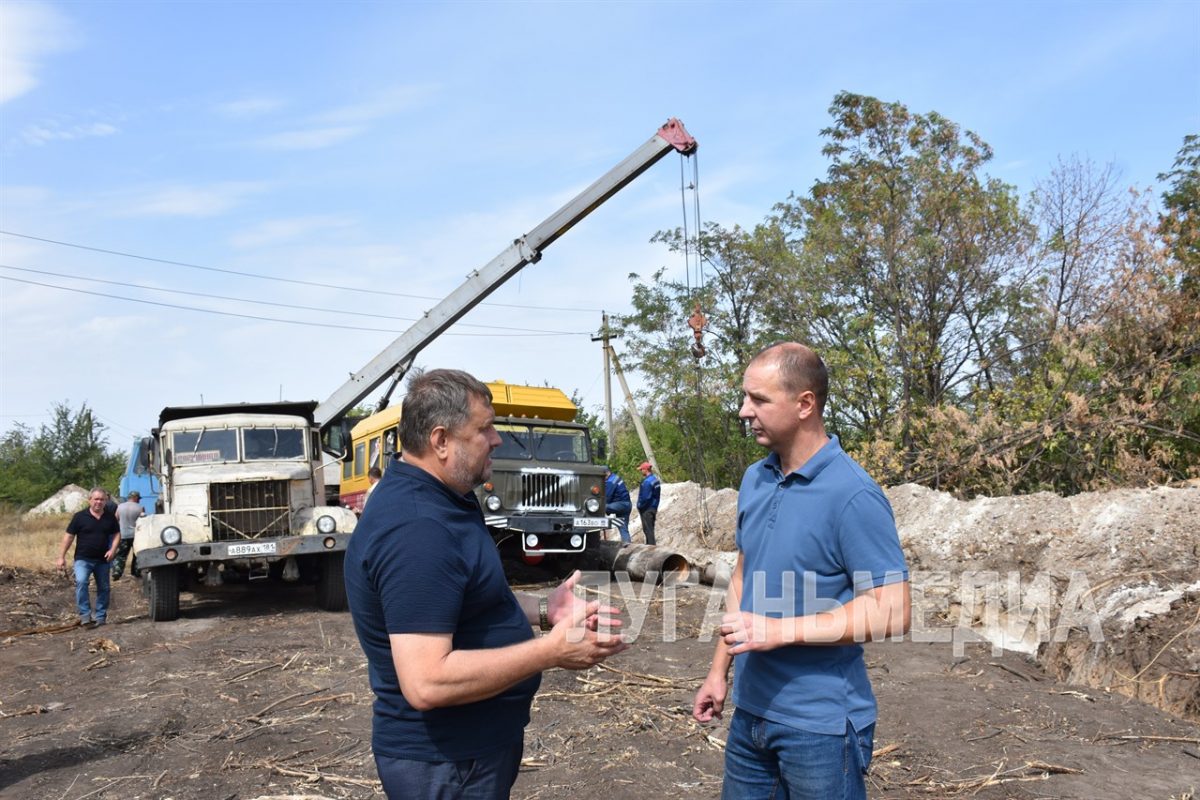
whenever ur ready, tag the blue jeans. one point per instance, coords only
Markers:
(766, 760)
(490, 777)
(85, 568)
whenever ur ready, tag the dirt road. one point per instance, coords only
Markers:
(254, 694)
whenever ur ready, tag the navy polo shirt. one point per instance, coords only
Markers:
(421, 560)
(810, 541)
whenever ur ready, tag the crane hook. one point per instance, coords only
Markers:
(696, 322)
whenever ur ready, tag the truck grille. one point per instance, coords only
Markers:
(548, 491)
(248, 510)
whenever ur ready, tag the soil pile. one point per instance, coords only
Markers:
(67, 500)
(1102, 588)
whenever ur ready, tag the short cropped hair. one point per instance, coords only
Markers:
(800, 369)
(437, 398)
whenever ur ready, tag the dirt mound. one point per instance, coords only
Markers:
(1103, 588)
(67, 500)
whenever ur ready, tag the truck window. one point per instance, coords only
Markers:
(373, 461)
(559, 444)
(269, 444)
(205, 446)
(360, 458)
(514, 442)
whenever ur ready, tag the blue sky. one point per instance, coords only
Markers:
(391, 148)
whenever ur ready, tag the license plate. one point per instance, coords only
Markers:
(591, 522)
(256, 549)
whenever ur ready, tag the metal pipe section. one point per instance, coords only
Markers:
(640, 560)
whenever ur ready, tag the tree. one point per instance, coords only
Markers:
(71, 448)
(907, 267)
(1180, 225)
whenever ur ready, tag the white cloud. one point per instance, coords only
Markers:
(308, 140)
(187, 201)
(28, 33)
(396, 100)
(281, 231)
(250, 106)
(38, 135)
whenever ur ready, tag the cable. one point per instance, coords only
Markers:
(274, 278)
(268, 302)
(306, 323)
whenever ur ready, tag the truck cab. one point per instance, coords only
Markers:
(242, 498)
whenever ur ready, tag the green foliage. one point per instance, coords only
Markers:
(71, 448)
(974, 345)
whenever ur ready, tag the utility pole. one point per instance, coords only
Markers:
(608, 418)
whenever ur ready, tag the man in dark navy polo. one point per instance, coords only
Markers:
(819, 571)
(96, 534)
(451, 654)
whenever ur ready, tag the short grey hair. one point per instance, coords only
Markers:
(437, 398)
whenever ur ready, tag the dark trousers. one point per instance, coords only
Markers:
(489, 777)
(118, 563)
(648, 516)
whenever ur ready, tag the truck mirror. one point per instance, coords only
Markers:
(601, 455)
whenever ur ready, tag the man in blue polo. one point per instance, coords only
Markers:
(451, 655)
(819, 571)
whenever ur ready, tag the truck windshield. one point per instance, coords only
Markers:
(205, 446)
(514, 442)
(559, 444)
(272, 444)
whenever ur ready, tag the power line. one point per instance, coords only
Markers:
(260, 276)
(126, 284)
(306, 323)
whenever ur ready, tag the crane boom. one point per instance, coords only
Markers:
(398, 357)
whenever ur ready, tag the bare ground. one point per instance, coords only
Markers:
(254, 694)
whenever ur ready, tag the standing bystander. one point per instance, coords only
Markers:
(617, 502)
(95, 533)
(127, 515)
(648, 496)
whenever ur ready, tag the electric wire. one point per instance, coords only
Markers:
(126, 284)
(306, 323)
(261, 276)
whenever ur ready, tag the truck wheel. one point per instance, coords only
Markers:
(162, 585)
(331, 583)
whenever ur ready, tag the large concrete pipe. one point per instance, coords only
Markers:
(640, 560)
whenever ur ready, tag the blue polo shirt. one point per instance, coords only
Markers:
(421, 560)
(810, 540)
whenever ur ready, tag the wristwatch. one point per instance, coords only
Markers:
(544, 614)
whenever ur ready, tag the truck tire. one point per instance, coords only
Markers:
(331, 583)
(162, 591)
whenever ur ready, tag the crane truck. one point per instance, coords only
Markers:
(243, 488)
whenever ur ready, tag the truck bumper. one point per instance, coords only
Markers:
(551, 535)
(261, 549)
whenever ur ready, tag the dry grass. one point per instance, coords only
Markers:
(33, 543)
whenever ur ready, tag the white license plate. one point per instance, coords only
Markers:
(256, 549)
(591, 522)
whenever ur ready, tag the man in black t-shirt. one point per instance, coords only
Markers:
(96, 534)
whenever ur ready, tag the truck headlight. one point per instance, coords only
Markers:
(326, 524)
(493, 502)
(171, 535)
(531, 541)
(592, 505)
(576, 540)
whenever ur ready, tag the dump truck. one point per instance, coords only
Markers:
(242, 498)
(546, 493)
